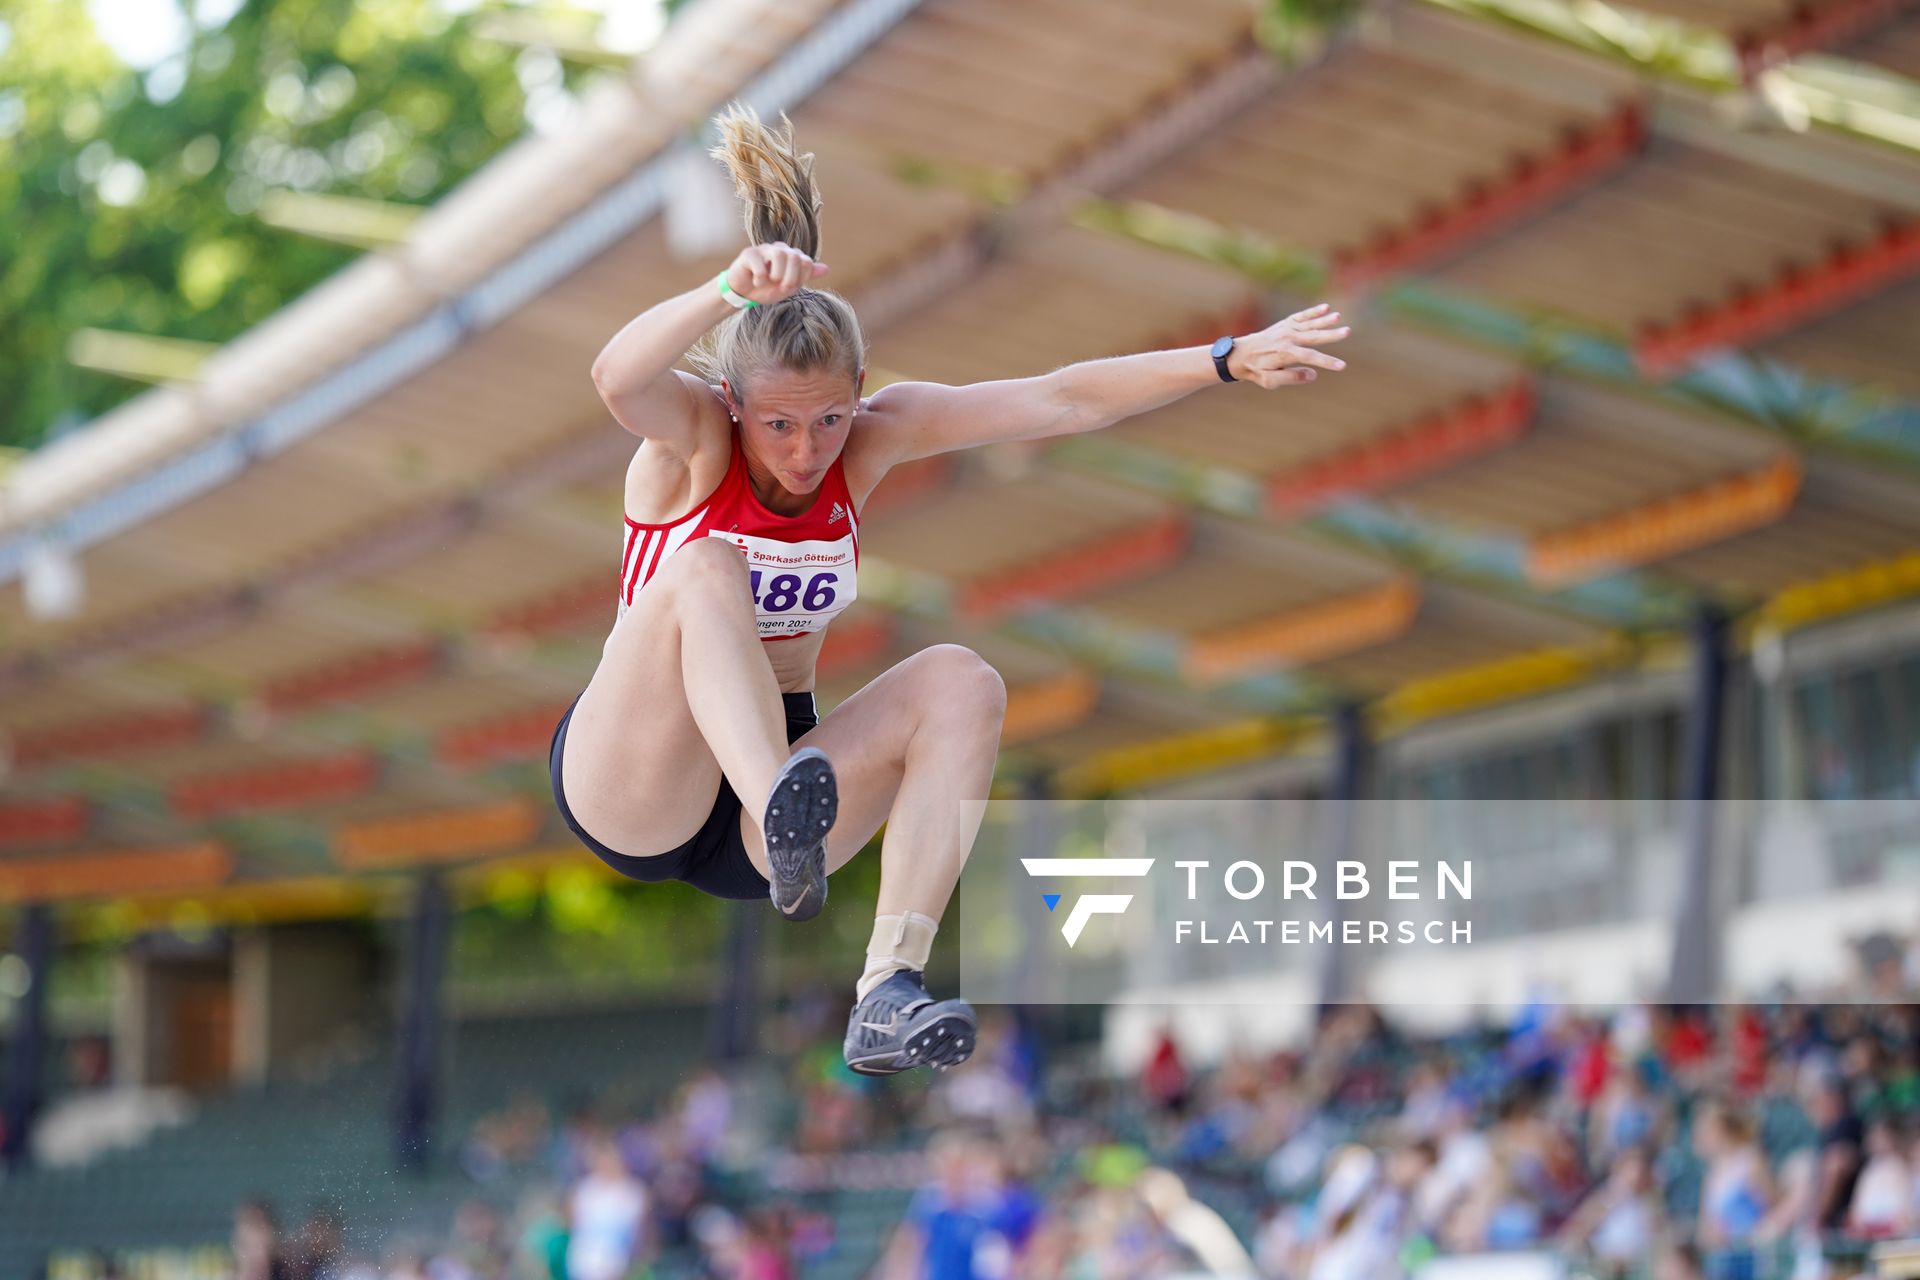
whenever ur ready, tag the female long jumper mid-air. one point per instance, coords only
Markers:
(742, 540)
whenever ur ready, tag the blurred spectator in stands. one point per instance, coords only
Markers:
(833, 1116)
(505, 1140)
(1841, 1149)
(996, 1086)
(90, 1062)
(965, 1223)
(570, 1149)
(607, 1218)
(1882, 1202)
(1354, 1235)
(477, 1249)
(1194, 1226)
(1425, 1100)
(542, 1247)
(1747, 1042)
(765, 1252)
(405, 1262)
(677, 1189)
(1736, 1191)
(1495, 1214)
(1677, 1260)
(1465, 1158)
(256, 1243)
(1408, 1168)
(705, 1115)
(1685, 1042)
(1164, 1082)
(720, 1240)
(1625, 1115)
(1619, 1222)
(318, 1251)
(1793, 1220)
(1546, 1166)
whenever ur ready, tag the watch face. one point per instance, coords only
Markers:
(1221, 347)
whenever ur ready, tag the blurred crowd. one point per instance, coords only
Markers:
(1728, 1143)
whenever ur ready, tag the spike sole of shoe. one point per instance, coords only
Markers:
(946, 1040)
(800, 813)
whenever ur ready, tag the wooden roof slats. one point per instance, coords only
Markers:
(1475, 424)
(1234, 574)
(116, 872)
(1594, 452)
(43, 820)
(1693, 517)
(974, 531)
(96, 734)
(1351, 161)
(1045, 708)
(1304, 634)
(272, 786)
(1415, 376)
(1455, 630)
(1129, 552)
(1870, 343)
(445, 835)
(1582, 155)
(1792, 294)
(522, 734)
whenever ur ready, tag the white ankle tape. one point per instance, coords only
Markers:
(906, 937)
(898, 942)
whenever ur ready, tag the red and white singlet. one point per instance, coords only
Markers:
(803, 566)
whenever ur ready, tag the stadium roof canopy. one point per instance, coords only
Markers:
(1615, 357)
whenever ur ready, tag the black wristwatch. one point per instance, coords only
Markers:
(1221, 349)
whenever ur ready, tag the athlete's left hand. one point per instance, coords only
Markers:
(1287, 353)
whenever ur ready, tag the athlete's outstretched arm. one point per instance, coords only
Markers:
(635, 373)
(927, 418)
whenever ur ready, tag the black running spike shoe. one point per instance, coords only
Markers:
(800, 811)
(899, 1026)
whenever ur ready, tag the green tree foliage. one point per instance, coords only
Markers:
(128, 198)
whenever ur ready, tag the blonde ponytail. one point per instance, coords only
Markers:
(773, 180)
(815, 328)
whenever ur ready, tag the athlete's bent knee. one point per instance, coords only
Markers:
(705, 568)
(965, 681)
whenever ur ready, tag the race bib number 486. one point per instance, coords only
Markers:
(797, 586)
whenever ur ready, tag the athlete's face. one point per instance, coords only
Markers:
(795, 424)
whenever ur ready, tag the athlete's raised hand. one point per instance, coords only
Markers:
(769, 273)
(1288, 353)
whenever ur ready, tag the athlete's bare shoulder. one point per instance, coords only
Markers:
(867, 459)
(664, 481)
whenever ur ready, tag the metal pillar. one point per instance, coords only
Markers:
(27, 1041)
(1694, 976)
(420, 1021)
(736, 1005)
(1348, 793)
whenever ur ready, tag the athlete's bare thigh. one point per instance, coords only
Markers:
(866, 738)
(638, 774)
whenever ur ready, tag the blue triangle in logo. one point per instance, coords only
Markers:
(1051, 899)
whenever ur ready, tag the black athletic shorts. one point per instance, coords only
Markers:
(714, 860)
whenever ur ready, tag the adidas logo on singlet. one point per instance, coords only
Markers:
(838, 513)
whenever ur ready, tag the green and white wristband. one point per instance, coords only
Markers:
(734, 300)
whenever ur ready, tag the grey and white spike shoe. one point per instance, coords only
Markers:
(800, 811)
(899, 1026)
